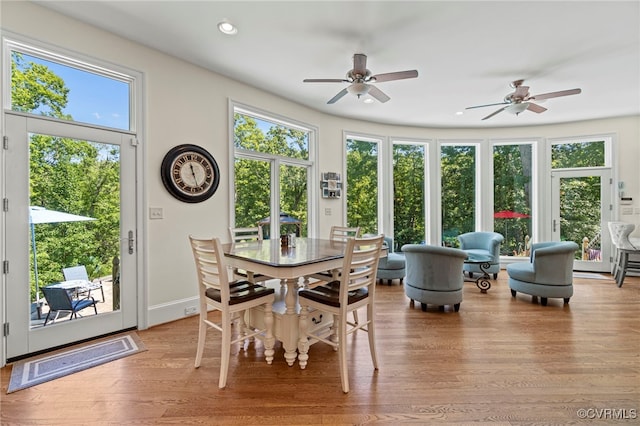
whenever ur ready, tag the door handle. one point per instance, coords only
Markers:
(554, 225)
(131, 242)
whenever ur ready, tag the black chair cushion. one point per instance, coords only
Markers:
(329, 294)
(240, 291)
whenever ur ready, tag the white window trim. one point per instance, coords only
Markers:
(313, 179)
(431, 206)
(384, 184)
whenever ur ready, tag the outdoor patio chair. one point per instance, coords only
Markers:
(59, 300)
(80, 273)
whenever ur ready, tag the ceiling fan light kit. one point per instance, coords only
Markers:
(358, 89)
(360, 79)
(517, 108)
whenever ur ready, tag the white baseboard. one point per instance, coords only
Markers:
(167, 312)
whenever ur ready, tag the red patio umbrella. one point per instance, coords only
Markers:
(509, 214)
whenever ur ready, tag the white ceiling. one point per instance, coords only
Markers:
(466, 53)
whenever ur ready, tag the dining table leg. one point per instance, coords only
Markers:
(290, 323)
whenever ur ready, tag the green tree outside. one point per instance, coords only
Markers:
(79, 177)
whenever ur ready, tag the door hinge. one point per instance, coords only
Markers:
(5, 329)
(5, 204)
(134, 142)
(5, 266)
(5, 142)
(610, 207)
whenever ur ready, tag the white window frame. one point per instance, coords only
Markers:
(313, 191)
(480, 176)
(431, 206)
(537, 162)
(384, 185)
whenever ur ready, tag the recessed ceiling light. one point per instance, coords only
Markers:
(227, 27)
(459, 113)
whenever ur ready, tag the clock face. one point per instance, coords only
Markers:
(190, 173)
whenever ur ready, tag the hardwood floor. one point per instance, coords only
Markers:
(499, 360)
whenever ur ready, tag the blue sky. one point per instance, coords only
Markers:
(92, 98)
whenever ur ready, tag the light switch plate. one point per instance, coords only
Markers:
(155, 212)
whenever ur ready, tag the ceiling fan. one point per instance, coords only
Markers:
(520, 100)
(361, 78)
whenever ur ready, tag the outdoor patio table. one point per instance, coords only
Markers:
(73, 286)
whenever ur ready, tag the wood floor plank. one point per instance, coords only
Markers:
(500, 360)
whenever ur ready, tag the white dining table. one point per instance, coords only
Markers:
(288, 265)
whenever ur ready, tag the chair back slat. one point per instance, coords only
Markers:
(210, 266)
(342, 233)
(245, 234)
(360, 265)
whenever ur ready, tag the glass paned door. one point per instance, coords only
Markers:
(74, 220)
(581, 201)
(72, 204)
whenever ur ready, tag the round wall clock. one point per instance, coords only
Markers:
(190, 173)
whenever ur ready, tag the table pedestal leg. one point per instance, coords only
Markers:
(483, 282)
(290, 322)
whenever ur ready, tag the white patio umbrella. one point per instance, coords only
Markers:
(39, 215)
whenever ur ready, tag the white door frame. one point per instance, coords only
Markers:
(21, 339)
(606, 213)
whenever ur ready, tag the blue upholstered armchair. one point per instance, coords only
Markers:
(549, 273)
(392, 266)
(482, 244)
(434, 275)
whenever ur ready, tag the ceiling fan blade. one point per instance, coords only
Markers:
(482, 106)
(338, 96)
(556, 94)
(325, 80)
(535, 108)
(360, 63)
(378, 94)
(390, 76)
(495, 112)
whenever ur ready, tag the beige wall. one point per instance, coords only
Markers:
(186, 104)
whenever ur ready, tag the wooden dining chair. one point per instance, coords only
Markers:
(338, 234)
(245, 235)
(355, 289)
(232, 299)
